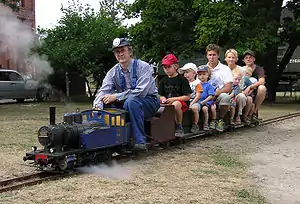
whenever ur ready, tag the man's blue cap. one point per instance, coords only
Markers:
(120, 42)
(202, 68)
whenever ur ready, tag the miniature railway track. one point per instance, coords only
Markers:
(28, 180)
(279, 118)
(33, 179)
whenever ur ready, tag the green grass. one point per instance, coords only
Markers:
(226, 159)
(250, 196)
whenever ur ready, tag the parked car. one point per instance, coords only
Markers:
(14, 85)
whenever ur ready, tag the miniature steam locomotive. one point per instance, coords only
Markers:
(89, 137)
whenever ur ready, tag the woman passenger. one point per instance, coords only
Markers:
(231, 57)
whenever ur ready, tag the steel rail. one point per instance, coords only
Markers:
(279, 118)
(28, 180)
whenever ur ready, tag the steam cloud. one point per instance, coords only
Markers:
(115, 171)
(19, 38)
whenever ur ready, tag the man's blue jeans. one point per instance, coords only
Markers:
(140, 109)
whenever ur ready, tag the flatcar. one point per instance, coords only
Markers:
(93, 136)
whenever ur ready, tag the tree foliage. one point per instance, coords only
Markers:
(239, 24)
(81, 43)
(113, 8)
(166, 27)
(182, 27)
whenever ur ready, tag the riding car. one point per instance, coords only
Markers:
(14, 85)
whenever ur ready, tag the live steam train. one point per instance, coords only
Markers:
(93, 136)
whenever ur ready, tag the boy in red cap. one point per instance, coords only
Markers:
(174, 89)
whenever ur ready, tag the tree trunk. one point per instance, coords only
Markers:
(270, 66)
(96, 90)
(274, 74)
(89, 87)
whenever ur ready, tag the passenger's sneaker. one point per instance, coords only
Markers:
(246, 120)
(212, 125)
(255, 119)
(220, 126)
(179, 132)
(195, 128)
(205, 127)
(231, 121)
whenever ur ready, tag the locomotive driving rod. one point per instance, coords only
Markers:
(32, 179)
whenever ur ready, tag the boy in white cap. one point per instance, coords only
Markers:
(190, 72)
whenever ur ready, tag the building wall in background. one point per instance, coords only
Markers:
(26, 14)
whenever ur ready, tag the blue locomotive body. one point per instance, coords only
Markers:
(81, 138)
(114, 130)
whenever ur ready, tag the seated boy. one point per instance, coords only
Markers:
(206, 98)
(190, 72)
(175, 90)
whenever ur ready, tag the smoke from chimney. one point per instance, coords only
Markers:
(17, 39)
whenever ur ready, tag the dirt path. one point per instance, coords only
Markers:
(277, 166)
(273, 155)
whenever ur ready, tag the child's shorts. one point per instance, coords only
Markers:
(198, 105)
(208, 107)
(184, 106)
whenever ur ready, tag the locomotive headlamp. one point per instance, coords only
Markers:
(34, 148)
(52, 150)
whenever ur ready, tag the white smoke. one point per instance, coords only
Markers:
(115, 171)
(18, 38)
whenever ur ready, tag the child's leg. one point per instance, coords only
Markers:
(205, 114)
(178, 111)
(232, 112)
(213, 112)
(213, 122)
(252, 109)
(195, 108)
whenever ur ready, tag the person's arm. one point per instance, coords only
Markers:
(106, 88)
(196, 99)
(226, 89)
(179, 98)
(198, 90)
(143, 84)
(227, 79)
(162, 99)
(261, 81)
(206, 100)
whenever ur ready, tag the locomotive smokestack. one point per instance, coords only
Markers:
(52, 115)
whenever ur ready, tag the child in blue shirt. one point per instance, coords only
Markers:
(206, 98)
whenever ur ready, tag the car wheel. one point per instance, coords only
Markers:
(42, 95)
(21, 100)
